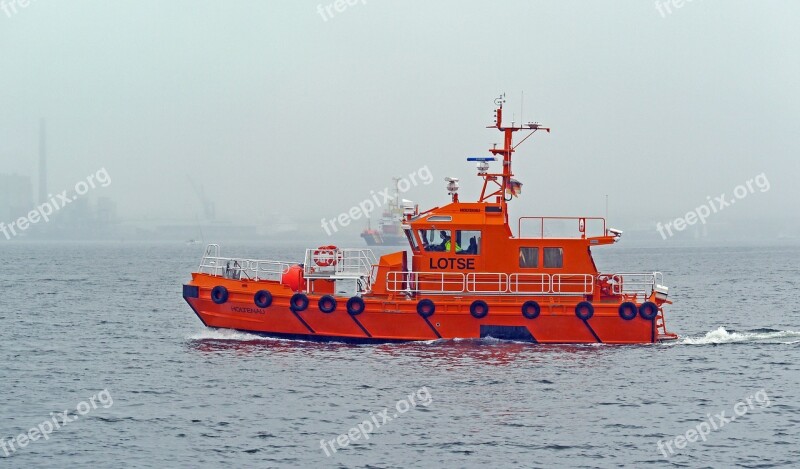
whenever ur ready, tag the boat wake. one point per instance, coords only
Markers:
(715, 337)
(722, 336)
(224, 334)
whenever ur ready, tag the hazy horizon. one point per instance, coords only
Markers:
(284, 113)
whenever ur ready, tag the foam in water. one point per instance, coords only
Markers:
(224, 334)
(722, 336)
(717, 336)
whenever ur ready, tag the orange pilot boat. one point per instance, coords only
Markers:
(469, 276)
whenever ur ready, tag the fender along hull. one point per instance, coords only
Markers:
(397, 320)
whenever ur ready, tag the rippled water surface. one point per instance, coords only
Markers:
(81, 318)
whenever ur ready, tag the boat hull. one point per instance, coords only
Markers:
(387, 319)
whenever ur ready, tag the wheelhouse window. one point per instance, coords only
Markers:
(553, 258)
(412, 240)
(468, 242)
(435, 240)
(529, 257)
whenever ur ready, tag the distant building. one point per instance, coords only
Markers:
(105, 211)
(16, 197)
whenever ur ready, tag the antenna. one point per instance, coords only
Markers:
(606, 207)
(522, 108)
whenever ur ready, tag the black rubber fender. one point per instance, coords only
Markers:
(327, 304)
(584, 310)
(355, 306)
(426, 308)
(219, 295)
(262, 299)
(298, 302)
(531, 309)
(479, 309)
(648, 310)
(627, 310)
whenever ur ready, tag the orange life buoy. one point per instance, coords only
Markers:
(325, 256)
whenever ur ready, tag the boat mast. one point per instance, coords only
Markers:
(506, 151)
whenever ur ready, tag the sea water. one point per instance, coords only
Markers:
(82, 319)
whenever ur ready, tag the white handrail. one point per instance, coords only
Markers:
(580, 284)
(530, 283)
(634, 282)
(339, 262)
(234, 268)
(487, 282)
(425, 282)
(517, 283)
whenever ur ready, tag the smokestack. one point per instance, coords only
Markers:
(42, 162)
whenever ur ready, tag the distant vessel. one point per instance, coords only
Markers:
(390, 226)
(469, 276)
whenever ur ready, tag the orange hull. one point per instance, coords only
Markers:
(390, 320)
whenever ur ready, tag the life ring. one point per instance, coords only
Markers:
(584, 310)
(609, 284)
(604, 283)
(648, 310)
(531, 309)
(426, 308)
(478, 309)
(627, 310)
(355, 306)
(327, 304)
(298, 302)
(325, 256)
(262, 299)
(219, 294)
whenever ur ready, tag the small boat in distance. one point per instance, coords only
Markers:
(468, 275)
(390, 225)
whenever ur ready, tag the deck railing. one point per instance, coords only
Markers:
(426, 282)
(359, 264)
(529, 283)
(582, 227)
(629, 283)
(239, 268)
(489, 283)
(339, 262)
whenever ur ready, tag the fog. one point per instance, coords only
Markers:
(288, 112)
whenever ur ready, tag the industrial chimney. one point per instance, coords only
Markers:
(42, 162)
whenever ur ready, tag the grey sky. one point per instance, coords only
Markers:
(278, 111)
